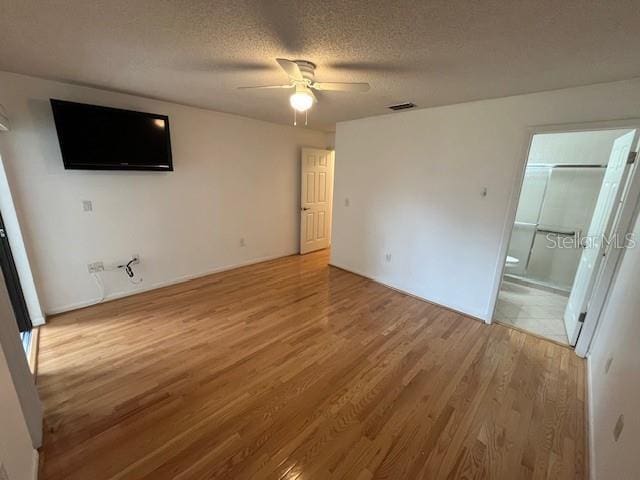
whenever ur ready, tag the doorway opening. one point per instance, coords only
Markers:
(14, 288)
(574, 187)
(16, 273)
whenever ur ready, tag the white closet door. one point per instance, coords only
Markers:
(604, 213)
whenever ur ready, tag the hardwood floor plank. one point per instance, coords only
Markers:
(293, 369)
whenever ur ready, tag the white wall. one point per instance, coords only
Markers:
(414, 181)
(17, 457)
(591, 148)
(331, 140)
(618, 391)
(234, 178)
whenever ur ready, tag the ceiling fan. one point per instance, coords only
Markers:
(301, 75)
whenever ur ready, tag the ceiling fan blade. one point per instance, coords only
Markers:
(290, 68)
(266, 86)
(341, 86)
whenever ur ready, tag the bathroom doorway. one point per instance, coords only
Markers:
(573, 187)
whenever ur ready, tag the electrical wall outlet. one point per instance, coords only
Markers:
(95, 267)
(242, 243)
(387, 257)
(87, 206)
(347, 202)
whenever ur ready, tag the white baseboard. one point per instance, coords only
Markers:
(38, 321)
(36, 464)
(165, 283)
(411, 294)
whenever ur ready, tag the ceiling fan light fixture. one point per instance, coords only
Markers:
(301, 74)
(301, 100)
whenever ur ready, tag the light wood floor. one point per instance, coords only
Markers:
(291, 369)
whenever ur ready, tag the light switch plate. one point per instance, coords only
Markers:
(617, 430)
(607, 365)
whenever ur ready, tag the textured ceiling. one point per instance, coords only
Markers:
(428, 52)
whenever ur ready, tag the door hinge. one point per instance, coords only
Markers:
(632, 157)
(581, 317)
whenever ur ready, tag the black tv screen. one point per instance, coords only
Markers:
(103, 138)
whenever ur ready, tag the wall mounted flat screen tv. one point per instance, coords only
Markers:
(102, 138)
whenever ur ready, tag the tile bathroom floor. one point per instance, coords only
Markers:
(534, 310)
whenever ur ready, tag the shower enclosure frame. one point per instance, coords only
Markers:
(537, 226)
(627, 213)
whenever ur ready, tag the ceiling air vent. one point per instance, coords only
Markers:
(402, 106)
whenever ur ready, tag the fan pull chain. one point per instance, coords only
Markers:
(295, 122)
(306, 117)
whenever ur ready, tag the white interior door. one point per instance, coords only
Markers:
(316, 192)
(607, 205)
